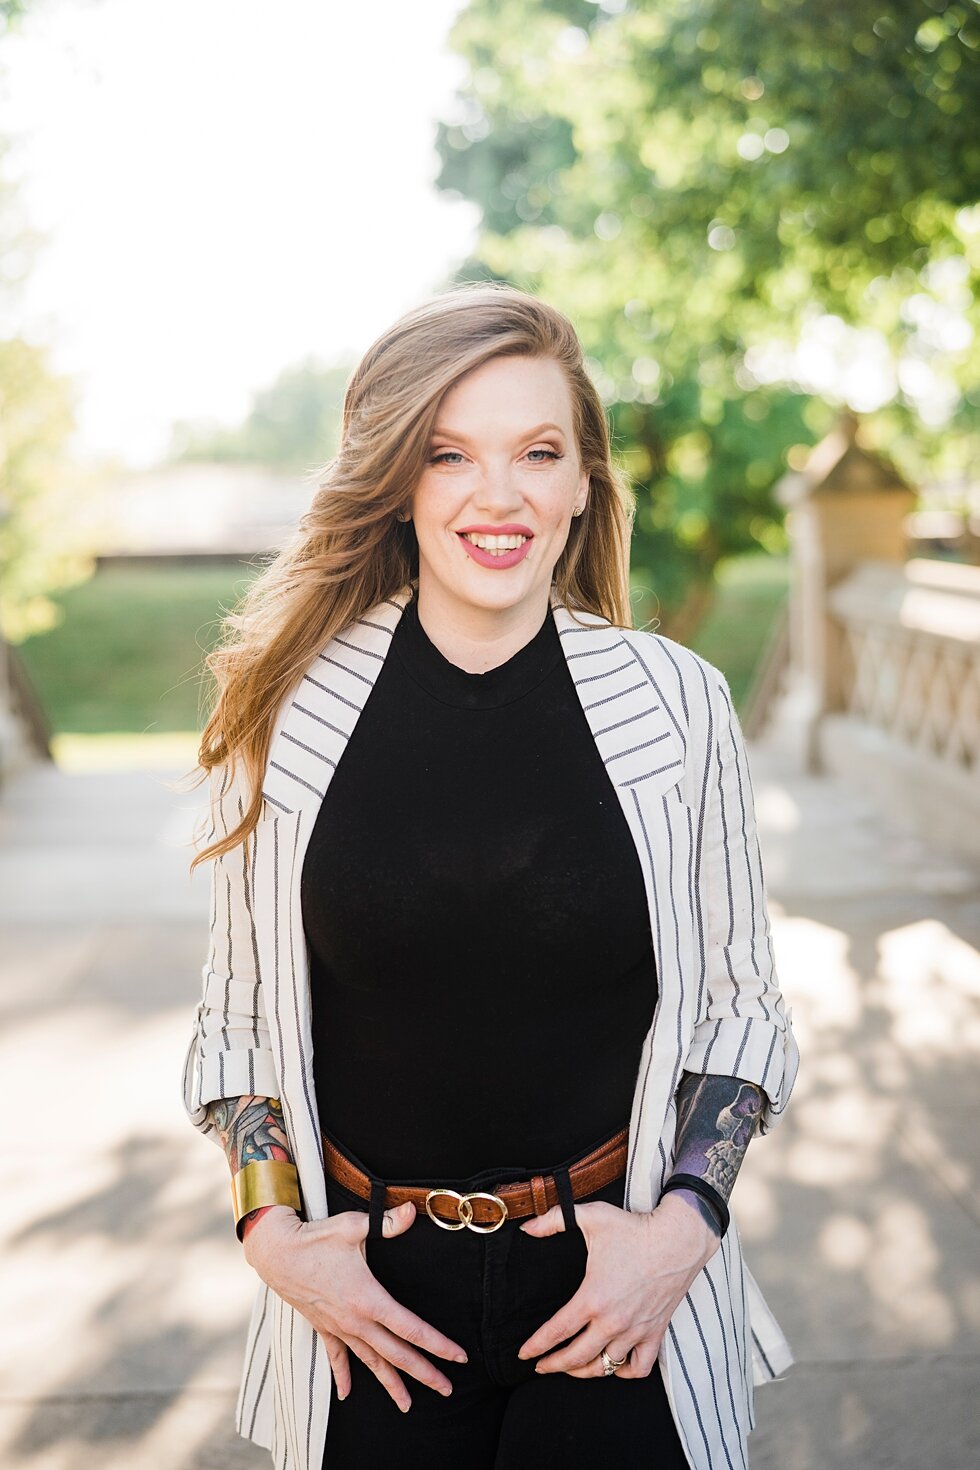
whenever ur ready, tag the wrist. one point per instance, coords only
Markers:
(261, 1183)
(248, 1222)
(715, 1205)
(271, 1222)
(701, 1208)
(680, 1208)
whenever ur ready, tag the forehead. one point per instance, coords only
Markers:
(518, 391)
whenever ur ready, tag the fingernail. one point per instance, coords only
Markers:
(460, 1358)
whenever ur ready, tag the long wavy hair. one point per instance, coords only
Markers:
(351, 551)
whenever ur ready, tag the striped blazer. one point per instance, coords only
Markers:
(663, 722)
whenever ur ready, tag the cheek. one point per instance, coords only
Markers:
(429, 512)
(557, 514)
(434, 517)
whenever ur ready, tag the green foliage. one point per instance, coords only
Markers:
(750, 594)
(42, 543)
(42, 539)
(293, 425)
(691, 180)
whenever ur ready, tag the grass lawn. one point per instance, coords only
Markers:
(127, 656)
(751, 590)
(126, 659)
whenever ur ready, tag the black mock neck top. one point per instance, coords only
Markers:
(481, 963)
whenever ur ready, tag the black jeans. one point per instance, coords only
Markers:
(489, 1293)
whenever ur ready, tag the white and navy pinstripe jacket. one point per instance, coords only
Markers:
(663, 722)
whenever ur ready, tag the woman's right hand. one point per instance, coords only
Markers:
(320, 1268)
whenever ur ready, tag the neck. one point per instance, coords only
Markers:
(478, 638)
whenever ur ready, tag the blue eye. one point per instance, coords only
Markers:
(447, 454)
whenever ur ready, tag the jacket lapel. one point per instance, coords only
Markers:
(631, 726)
(319, 718)
(641, 741)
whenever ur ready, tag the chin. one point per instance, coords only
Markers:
(492, 599)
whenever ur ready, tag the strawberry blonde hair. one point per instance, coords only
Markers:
(350, 550)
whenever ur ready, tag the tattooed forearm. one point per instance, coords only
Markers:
(250, 1128)
(716, 1119)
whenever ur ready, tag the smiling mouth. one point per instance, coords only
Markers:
(494, 545)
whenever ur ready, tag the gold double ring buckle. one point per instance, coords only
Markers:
(465, 1210)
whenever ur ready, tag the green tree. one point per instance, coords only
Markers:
(42, 539)
(696, 182)
(294, 424)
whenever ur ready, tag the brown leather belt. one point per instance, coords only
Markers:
(487, 1210)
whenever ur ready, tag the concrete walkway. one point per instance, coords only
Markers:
(124, 1293)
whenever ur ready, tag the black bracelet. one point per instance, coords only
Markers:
(705, 1190)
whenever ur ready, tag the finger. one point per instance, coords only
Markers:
(383, 1372)
(578, 1354)
(397, 1220)
(552, 1222)
(412, 1329)
(569, 1319)
(339, 1362)
(398, 1353)
(393, 1222)
(643, 1360)
(594, 1370)
(594, 1367)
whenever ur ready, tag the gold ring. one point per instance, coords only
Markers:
(465, 1210)
(609, 1365)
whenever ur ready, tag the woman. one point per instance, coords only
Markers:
(484, 1045)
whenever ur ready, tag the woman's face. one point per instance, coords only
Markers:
(503, 461)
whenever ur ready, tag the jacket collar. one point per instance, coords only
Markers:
(636, 733)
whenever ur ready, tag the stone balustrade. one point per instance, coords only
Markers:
(911, 655)
(908, 726)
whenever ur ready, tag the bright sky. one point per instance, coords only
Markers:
(224, 187)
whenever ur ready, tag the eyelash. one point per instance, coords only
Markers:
(552, 454)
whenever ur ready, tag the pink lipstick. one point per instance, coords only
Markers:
(502, 560)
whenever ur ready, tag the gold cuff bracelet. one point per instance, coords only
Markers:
(264, 1182)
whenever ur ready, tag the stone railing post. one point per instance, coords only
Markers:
(846, 506)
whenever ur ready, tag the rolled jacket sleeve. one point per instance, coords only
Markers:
(743, 1027)
(229, 1054)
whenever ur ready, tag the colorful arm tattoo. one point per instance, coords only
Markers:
(716, 1119)
(250, 1128)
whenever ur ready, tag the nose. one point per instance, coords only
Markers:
(498, 492)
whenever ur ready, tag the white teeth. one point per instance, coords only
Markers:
(494, 543)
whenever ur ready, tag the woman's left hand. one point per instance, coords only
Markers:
(639, 1269)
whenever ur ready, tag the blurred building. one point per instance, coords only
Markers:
(197, 509)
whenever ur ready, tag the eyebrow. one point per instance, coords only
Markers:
(441, 433)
